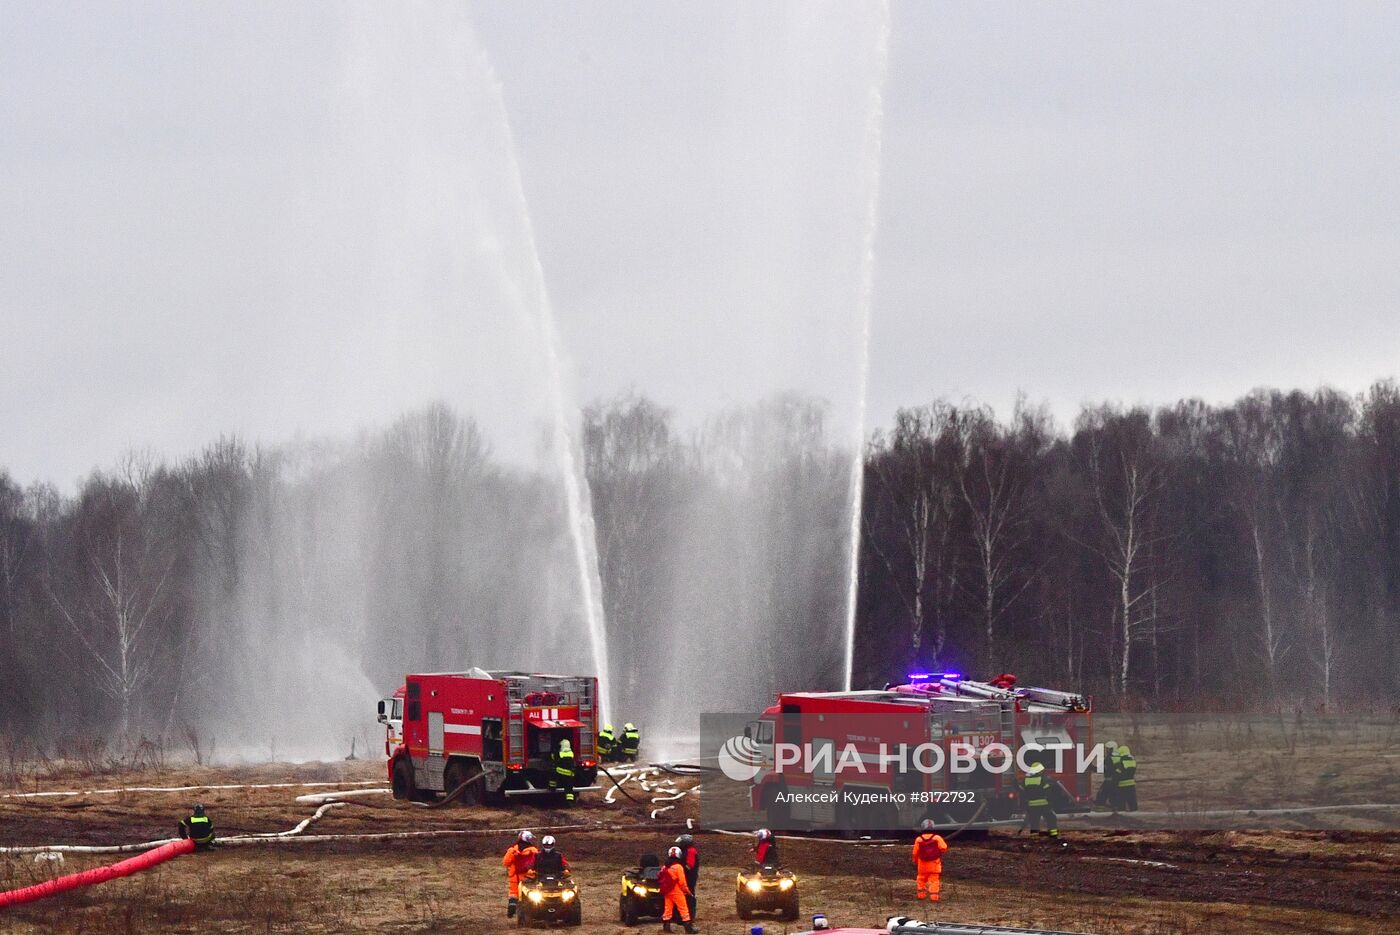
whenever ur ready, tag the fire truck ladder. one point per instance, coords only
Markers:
(967, 688)
(587, 735)
(515, 720)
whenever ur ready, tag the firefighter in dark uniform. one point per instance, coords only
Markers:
(1125, 791)
(631, 741)
(1035, 798)
(1108, 787)
(198, 828)
(549, 862)
(690, 862)
(562, 770)
(607, 744)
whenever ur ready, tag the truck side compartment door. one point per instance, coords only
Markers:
(435, 733)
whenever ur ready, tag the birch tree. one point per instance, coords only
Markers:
(1126, 477)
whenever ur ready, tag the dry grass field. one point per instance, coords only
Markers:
(1107, 881)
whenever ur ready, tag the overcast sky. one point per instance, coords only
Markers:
(284, 219)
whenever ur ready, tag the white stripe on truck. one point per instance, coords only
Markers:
(461, 728)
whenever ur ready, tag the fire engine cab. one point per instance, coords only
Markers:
(503, 727)
(391, 716)
(958, 715)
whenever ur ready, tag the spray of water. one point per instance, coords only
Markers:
(873, 143)
(564, 416)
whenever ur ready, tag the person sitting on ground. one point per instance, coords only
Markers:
(198, 828)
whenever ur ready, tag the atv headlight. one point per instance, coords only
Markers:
(640, 890)
(568, 895)
(785, 884)
(535, 896)
(755, 886)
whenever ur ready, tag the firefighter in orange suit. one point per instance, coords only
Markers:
(929, 849)
(519, 858)
(674, 891)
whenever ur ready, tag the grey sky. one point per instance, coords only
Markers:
(286, 218)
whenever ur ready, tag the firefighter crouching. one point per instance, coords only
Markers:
(562, 770)
(1125, 788)
(607, 744)
(690, 862)
(630, 743)
(675, 892)
(929, 848)
(519, 859)
(198, 828)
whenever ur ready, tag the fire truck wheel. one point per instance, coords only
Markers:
(403, 781)
(459, 772)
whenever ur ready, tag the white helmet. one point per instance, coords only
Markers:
(547, 841)
(565, 745)
(762, 834)
(526, 837)
(674, 852)
(927, 825)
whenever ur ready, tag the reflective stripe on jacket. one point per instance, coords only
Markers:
(1036, 791)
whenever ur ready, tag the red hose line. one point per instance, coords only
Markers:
(97, 875)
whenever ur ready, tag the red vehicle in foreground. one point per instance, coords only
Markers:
(943, 710)
(502, 727)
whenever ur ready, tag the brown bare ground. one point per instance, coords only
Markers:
(1106, 882)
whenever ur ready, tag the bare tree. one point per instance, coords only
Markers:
(916, 466)
(119, 603)
(1126, 477)
(1254, 445)
(993, 483)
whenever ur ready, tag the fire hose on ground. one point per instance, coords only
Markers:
(157, 852)
(96, 875)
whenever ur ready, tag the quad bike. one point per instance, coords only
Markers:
(766, 889)
(549, 900)
(641, 893)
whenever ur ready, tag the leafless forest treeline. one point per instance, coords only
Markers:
(1187, 556)
(1184, 557)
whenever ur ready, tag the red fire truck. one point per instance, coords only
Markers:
(957, 715)
(506, 725)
